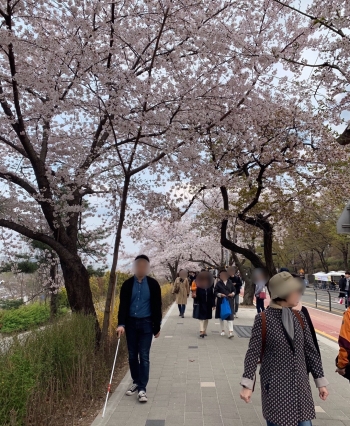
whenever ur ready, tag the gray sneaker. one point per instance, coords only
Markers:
(132, 390)
(142, 396)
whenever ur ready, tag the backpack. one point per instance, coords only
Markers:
(264, 329)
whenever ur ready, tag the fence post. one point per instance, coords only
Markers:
(315, 298)
(330, 300)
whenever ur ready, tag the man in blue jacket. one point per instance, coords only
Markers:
(139, 317)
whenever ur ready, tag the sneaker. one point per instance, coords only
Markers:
(222, 333)
(231, 335)
(236, 316)
(132, 390)
(142, 396)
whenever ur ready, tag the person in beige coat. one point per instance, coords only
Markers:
(182, 291)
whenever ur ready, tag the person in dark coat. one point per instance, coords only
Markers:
(344, 287)
(225, 289)
(287, 356)
(237, 282)
(204, 301)
(140, 317)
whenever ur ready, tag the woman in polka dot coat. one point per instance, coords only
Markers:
(288, 356)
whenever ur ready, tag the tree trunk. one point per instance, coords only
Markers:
(77, 284)
(345, 259)
(323, 260)
(248, 286)
(113, 276)
(54, 293)
(268, 241)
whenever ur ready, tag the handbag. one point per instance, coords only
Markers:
(225, 309)
(262, 294)
(176, 289)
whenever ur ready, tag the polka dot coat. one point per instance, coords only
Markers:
(285, 387)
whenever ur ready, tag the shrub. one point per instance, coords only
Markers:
(46, 366)
(11, 304)
(24, 318)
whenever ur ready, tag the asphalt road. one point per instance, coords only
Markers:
(309, 299)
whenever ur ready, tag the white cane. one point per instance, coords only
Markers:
(110, 381)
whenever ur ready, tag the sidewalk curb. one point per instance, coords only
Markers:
(121, 389)
(326, 340)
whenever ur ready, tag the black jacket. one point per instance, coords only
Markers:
(342, 284)
(237, 282)
(311, 326)
(156, 303)
(224, 289)
(203, 303)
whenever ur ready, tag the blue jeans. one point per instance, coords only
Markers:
(139, 334)
(305, 423)
(182, 309)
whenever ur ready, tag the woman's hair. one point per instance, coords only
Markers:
(279, 299)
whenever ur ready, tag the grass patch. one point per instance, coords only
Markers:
(45, 367)
(24, 318)
(55, 375)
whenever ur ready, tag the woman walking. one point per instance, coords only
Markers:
(225, 290)
(204, 301)
(260, 279)
(282, 340)
(182, 291)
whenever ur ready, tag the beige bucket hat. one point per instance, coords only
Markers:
(282, 284)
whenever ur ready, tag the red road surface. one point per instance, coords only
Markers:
(325, 322)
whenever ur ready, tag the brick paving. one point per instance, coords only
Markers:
(195, 382)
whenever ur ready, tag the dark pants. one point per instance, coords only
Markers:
(236, 302)
(182, 309)
(260, 307)
(139, 336)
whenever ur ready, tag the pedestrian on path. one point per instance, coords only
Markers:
(287, 355)
(344, 286)
(260, 279)
(225, 289)
(140, 316)
(237, 282)
(204, 301)
(182, 290)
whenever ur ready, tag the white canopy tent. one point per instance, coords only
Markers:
(323, 276)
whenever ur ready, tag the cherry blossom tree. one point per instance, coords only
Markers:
(175, 245)
(324, 74)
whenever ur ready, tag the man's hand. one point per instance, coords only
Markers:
(323, 393)
(231, 295)
(246, 395)
(340, 371)
(120, 331)
(213, 308)
(157, 335)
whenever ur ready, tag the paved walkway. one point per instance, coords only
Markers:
(195, 382)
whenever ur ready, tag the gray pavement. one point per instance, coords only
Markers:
(195, 382)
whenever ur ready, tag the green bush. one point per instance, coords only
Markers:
(11, 304)
(24, 318)
(45, 366)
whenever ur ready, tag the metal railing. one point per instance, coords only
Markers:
(326, 299)
(323, 300)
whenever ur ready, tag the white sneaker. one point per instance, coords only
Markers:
(222, 333)
(231, 335)
(132, 390)
(142, 396)
(236, 316)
